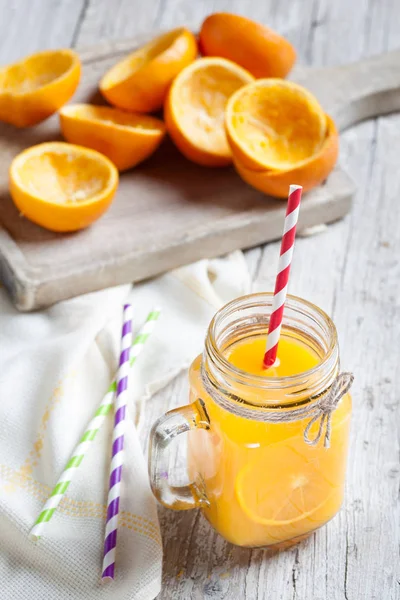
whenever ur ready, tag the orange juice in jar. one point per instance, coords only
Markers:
(266, 448)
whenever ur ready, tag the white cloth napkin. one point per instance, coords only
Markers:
(55, 367)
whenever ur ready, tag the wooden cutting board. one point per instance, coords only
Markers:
(169, 212)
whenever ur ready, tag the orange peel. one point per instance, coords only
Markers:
(35, 87)
(140, 81)
(62, 187)
(274, 124)
(125, 138)
(195, 107)
(309, 173)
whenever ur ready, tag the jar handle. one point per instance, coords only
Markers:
(165, 429)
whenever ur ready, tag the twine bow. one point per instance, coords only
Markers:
(318, 411)
(325, 408)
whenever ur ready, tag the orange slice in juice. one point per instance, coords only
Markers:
(282, 487)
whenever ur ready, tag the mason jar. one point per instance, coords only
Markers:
(266, 455)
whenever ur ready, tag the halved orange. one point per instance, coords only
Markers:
(274, 124)
(62, 187)
(253, 46)
(140, 81)
(195, 109)
(125, 138)
(34, 88)
(309, 173)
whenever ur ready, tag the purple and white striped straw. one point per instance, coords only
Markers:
(117, 455)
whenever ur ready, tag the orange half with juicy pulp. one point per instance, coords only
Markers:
(34, 88)
(125, 138)
(140, 81)
(195, 109)
(274, 124)
(62, 187)
(309, 173)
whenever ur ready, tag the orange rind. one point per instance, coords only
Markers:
(274, 124)
(62, 187)
(34, 88)
(140, 82)
(309, 174)
(125, 138)
(195, 108)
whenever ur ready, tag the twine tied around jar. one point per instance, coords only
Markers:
(325, 408)
(318, 411)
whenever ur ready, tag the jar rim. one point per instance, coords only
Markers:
(271, 382)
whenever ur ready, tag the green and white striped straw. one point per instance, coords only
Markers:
(90, 434)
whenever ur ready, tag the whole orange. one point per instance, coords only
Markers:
(253, 46)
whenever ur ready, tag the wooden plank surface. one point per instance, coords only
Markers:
(352, 271)
(166, 211)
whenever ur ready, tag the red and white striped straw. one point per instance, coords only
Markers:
(282, 278)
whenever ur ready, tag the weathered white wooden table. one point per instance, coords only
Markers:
(352, 271)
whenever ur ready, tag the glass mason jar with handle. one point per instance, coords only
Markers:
(266, 454)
